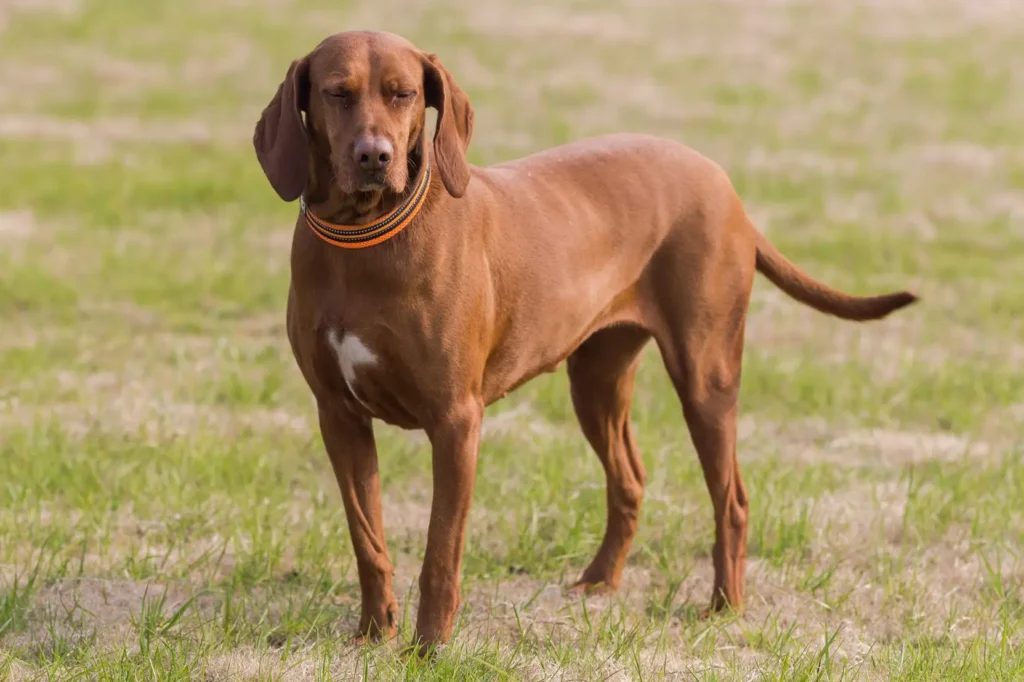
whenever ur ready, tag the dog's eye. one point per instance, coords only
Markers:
(405, 94)
(342, 95)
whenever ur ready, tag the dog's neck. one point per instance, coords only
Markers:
(330, 203)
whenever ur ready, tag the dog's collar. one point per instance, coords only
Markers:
(380, 230)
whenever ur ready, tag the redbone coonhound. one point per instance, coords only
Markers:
(424, 289)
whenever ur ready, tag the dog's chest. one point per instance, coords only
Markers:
(372, 375)
(354, 358)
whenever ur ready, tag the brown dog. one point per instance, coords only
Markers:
(475, 280)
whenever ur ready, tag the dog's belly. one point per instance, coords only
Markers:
(539, 342)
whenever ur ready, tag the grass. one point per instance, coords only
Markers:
(166, 509)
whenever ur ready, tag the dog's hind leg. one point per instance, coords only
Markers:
(703, 305)
(709, 397)
(601, 374)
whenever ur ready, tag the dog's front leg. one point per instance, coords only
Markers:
(353, 453)
(456, 443)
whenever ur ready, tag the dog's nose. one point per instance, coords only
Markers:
(373, 153)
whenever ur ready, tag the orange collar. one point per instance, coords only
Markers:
(380, 230)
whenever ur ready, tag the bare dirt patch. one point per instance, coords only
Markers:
(17, 228)
(107, 602)
(246, 663)
(90, 611)
(137, 411)
(815, 441)
(891, 448)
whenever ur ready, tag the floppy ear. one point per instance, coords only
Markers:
(281, 143)
(454, 124)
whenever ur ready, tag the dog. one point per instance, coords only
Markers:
(423, 289)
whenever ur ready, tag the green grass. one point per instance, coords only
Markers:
(166, 508)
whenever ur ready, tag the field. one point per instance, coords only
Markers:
(167, 511)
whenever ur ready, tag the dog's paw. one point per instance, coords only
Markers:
(421, 651)
(718, 610)
(589, 589)
(373, 634)
(372, 638)
(361, 639)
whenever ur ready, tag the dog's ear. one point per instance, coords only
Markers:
(281, 142)
(454, 124)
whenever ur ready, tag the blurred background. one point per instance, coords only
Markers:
(166, 508)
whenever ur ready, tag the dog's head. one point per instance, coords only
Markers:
(364, 97)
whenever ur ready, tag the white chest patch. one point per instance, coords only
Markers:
(352, 354)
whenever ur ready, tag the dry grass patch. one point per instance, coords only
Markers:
(65, 8)
(94, 140)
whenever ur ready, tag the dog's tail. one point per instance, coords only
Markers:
(807, 290)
